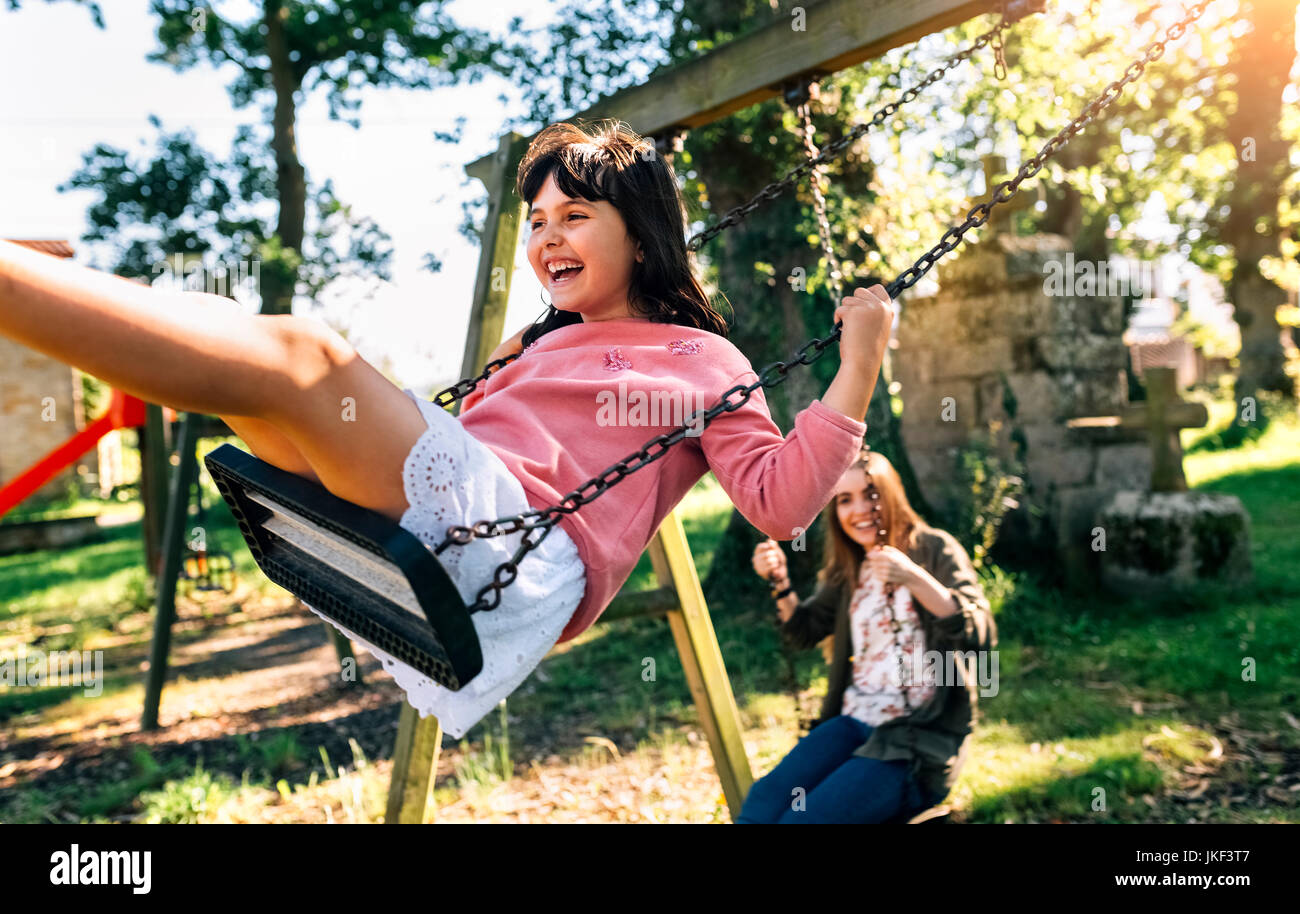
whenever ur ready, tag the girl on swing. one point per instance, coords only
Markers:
(607, 240)
(891, 739)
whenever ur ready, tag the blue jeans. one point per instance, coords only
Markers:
(837, 786)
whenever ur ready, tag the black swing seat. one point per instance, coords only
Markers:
(353, 565)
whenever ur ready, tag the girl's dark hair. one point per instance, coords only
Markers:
(608, 161)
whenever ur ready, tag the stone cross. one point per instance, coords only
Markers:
(995, 168)
(1163, 415)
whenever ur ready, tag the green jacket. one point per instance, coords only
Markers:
(934, 736)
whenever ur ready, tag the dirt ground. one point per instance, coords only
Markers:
(269, 667)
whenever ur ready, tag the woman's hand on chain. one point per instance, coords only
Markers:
(769, 562)
(891, 566)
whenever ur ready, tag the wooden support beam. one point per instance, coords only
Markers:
(496, 263)
(415, 762)
(837, 34)
(173, 546)
(637, 604)
(415, 757)
(697, 645)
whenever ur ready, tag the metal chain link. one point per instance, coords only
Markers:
(890, 589)
(999, 57)
(834, 277)
(776, 188)
(979, 213)
(545, 518)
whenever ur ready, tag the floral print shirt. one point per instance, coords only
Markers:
(880, 666)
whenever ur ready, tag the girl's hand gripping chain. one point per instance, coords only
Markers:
(868, 317)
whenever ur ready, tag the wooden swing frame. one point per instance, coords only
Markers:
(754, 68)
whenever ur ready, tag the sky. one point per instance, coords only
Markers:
(69, 85)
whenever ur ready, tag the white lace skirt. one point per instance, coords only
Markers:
(451, 477)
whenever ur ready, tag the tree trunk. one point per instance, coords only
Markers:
(280, 279)
(1262, 61)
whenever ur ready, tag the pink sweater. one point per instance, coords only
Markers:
(586, 395)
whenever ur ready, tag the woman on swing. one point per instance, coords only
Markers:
(891, 739)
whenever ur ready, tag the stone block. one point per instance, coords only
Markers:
(1124, 466)
(1083, 351)
(1094, 393)
(1037, 398)
(1075, 511)
(913, 365)
(1002, 261)
(934, 315)
(1043, 436)
(1050, 468)
(972, 360)
(1025, 256)
(950, 402)
(1025, 312)
(1171, 540)
(920, 437)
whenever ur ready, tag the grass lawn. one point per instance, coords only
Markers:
(1107, 711)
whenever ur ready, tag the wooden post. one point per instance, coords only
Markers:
(153, 484)
(415, 757)
(343, 649)
(496, 261)
(173, 543)
(415, 767)
(697, 644)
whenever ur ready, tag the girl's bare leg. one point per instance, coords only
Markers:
(202, 353)
(270, 444)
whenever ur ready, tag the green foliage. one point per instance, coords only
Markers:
(1271, 407)
(988, 479)
(181, 199)
(96, 14)
(276, 754)
(337, 47)
(492, 764)
(121, 793)
(188, 801)
(140, 591)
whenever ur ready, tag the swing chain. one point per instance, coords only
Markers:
(999, 56)
(999, 59)
(979, 213)
(545, 518)
(834, 277)
(774, 374)
(776, 188)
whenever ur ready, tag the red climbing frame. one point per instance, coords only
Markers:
(124, 411)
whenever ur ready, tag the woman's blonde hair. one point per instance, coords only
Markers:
(842, 555)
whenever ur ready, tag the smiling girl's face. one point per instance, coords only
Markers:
(853, 507)
(590, 234)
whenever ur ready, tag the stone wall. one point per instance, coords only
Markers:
(992, 338)
(27, 377)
